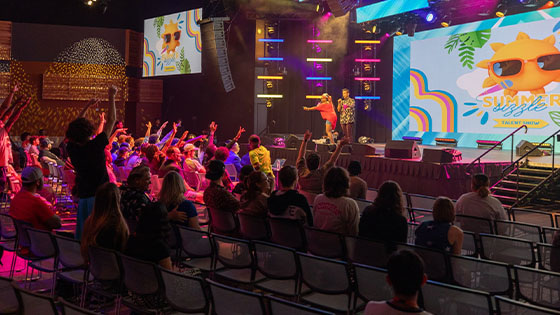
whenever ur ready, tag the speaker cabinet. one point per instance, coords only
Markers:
(402, 150)
(363, 149)
(525, 146)
(446, 155)
(293, 141)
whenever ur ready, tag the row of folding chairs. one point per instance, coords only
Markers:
(313, 279)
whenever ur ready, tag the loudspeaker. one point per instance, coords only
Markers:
(325, 147)
(293, 141)
(402, 150)
(446, 155)
(215, 46)
(363, 149)
(525, 146)
(341, 7)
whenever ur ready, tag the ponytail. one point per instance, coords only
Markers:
(480, 183)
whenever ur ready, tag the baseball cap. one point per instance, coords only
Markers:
(45, 142)
(188, 147)
(31, 174)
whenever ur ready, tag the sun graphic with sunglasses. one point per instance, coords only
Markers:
(171, 36)
(529, 65)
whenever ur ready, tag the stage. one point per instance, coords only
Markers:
(415, 176)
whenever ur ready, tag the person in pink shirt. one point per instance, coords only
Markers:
(326, 108)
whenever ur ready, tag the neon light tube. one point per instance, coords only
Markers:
(366, 79)
(320, 59)
(271, 58)
(311, 97)
(319, 41)
(269, 77)
(271, 40)
(367, 97)
(366, 41)
(318, 78)
(270, 96)
(367, 60)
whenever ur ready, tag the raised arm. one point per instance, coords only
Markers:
(112, 112)
(303, 147)
(213, 128)
(148, 132)
(12, 120)
(114, 135)
(307, 109)
(334, 157)
(102, 122)
(183, 137)
(8, 100)
(234, 140)
(90, 103)
(170, 140)
(8, 112)
(160, 130)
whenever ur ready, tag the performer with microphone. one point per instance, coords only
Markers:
(347, 109)
(326, 108)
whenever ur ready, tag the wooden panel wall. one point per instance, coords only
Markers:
(133, 49)
(5, 40)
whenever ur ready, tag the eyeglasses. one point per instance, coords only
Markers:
(167, 36)
(512, 67)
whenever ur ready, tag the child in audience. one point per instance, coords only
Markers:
(333, 211)
(241, 187)
(287, 202)
(105, 227)
(384, 219)
(358, 186)
(440, 233)
(405, 276)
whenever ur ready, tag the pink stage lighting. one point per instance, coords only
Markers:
(368, 60)
(366, 79)
(319, 41)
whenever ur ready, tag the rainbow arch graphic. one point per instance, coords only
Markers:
(445, 100)
(422, 117)
(149, 64)
(193, 30)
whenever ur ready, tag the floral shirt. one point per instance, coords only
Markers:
(217, 197)
(133, 201)
(348, 111)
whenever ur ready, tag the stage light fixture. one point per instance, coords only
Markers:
(367, 86)
(320, 59)
(319, 67)
(90, 3)
(366, 41)
(271, 30)
(366, 79)
(271, 40)
(367, 60)
(367, 67)
(362, 97)
(318, 78)
(367, 48)
(270, 47)
(430, 17)
(367, 105)
(269, 85)
(399, 32)
(268, 103)
(365, 140)
(318, 48)
(271, 58)
(411, 29)
(270, 96)
(313, 97)
(445, 21)
(319, 41)
(269, 77)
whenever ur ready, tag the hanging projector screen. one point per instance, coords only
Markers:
(480, 80)
(172, 44)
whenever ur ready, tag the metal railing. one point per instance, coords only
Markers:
(479, 159)
(515, 166)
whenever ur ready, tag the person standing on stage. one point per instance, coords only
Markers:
(326, 108)
(347, 109)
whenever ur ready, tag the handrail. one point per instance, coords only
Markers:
(479, 159)
(535, 148)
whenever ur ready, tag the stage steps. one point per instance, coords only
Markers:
(532, 186)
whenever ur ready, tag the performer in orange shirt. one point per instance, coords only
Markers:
(326, 108)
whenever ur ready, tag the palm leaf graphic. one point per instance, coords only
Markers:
(555, 116)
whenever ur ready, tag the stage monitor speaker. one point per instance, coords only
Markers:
(446, 155)
(293, 141)
(402, 150)
(325, 147)
(341, 7)
(310, 145)
(363, 149)
(525, 146)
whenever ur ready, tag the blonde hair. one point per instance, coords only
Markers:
(172, 190)
(444, 210)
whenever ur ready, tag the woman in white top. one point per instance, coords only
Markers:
(480, 203)
(332, 210)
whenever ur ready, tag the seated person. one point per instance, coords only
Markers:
(241, 187)
(254, 200)
(134, 195)
(479, 203)
(384, 220)
(29, 207)
(233, 158)
(122, 155)
(405, 276)
(191, 163)
(216, 196)
(333, 211)
(45, 154)
(172, 195)
(105, 227)
(440, 233)
(358, 186)
(287, 202)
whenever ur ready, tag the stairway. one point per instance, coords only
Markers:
(530, 177)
